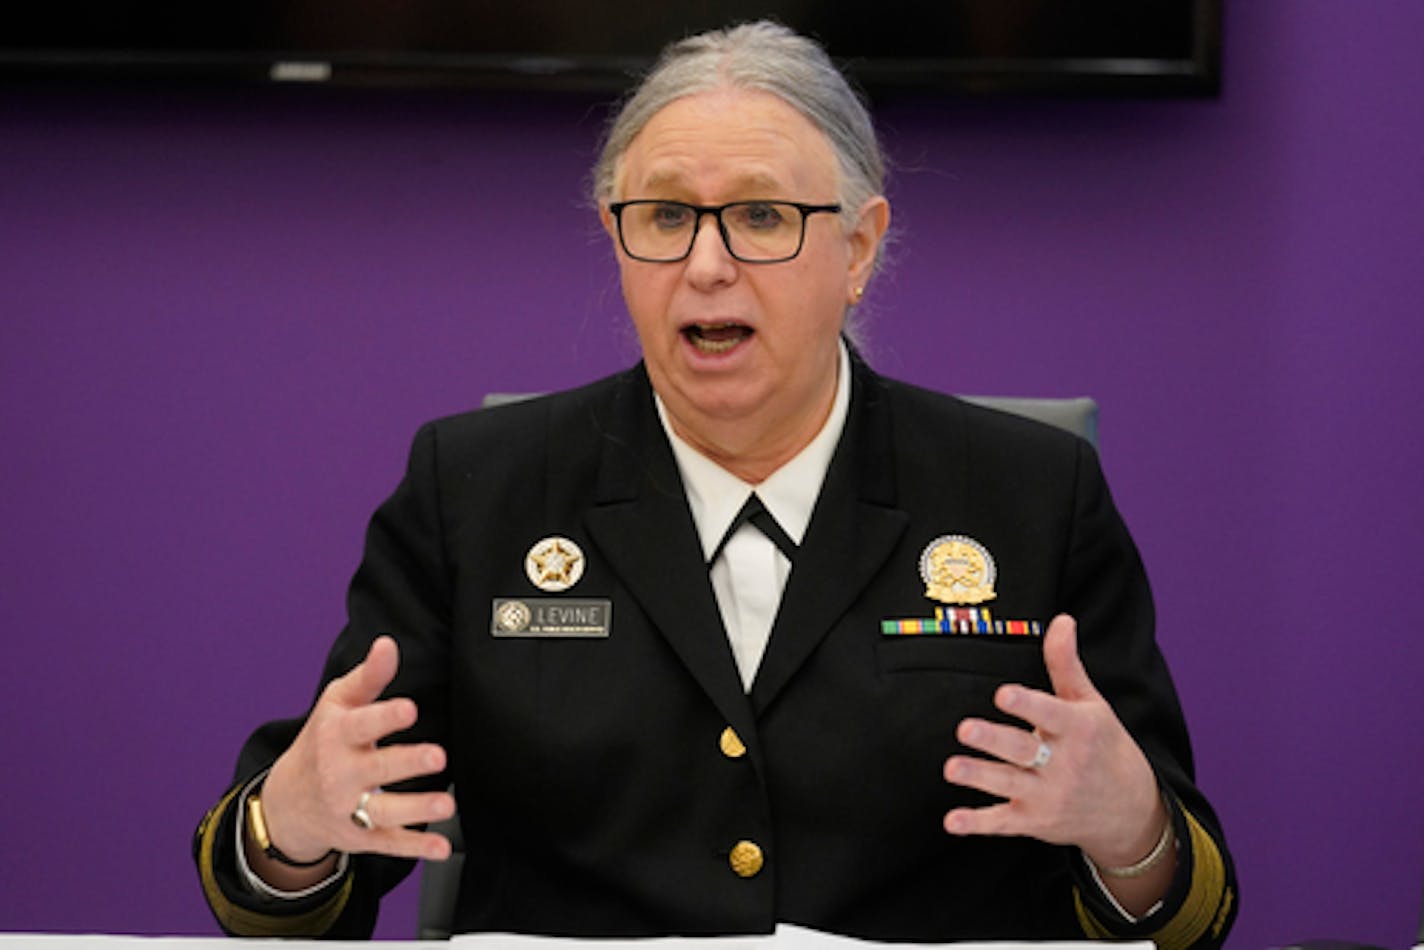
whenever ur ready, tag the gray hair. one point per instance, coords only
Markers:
(771, 58)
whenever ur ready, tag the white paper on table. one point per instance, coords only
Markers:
(787, 937)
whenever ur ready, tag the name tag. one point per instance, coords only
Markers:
(552, 617)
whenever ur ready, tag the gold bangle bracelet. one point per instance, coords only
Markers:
(1154, 857)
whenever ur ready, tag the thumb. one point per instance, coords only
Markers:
(1060, 655)
(365, 682)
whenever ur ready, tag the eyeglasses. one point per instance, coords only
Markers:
(755, 232)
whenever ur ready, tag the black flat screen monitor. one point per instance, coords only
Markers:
(1055, 47)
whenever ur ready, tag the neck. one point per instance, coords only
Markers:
(750, 448)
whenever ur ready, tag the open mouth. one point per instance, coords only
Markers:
(714, 338)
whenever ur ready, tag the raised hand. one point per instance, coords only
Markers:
(1071, 775)
(334, 766)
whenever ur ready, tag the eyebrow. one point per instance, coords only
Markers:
(753, 182)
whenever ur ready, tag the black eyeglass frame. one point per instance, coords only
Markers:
(805, 210)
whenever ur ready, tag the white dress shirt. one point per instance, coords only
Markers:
(750, 574)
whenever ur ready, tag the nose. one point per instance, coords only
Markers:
(710, 263)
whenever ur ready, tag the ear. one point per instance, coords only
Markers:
(605, 218)
(864, 241)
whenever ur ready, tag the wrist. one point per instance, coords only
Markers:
(261, 834)
(1163, 840)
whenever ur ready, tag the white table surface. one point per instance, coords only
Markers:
(786, 938)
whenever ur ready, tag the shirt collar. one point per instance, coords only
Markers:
(715, 495)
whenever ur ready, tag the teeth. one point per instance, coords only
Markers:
(717, 338)
(713, 346)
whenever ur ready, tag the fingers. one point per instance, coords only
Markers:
(1044, 712)
(1092, 786)
(1015, 746)
(394, 810)
(1011, 777)
(992, 778)
(393, 764)
(403, 843)
(384, 826)
(366, 681)
(315, 786)
(1001, 819)
(390, 814)
(400, 843)
(427, 845)
(1050, 713)
(1014, 772)
(367, 725)
(1060, 655)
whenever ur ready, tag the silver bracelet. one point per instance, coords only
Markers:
(1154, 857)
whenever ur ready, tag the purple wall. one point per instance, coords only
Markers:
(223, 315)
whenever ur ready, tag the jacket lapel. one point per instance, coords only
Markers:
(643, 527)
(853, 529)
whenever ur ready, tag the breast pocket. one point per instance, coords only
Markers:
(930, 684)
(1002, 659)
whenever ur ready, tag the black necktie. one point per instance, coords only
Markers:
(755, 512)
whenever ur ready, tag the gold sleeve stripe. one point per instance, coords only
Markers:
(1091, 928)
(249, 923)
(1207, 905)
(1205, 897)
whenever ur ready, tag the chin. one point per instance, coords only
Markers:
(722, 400)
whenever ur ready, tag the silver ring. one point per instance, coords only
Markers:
(361, 818)
(1041, 757)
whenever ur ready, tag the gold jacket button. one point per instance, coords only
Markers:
(746, 859)
(731, 744)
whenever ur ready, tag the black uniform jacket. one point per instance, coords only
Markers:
(595, 795)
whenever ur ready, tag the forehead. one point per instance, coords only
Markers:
(728, 143)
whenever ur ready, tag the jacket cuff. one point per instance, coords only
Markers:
(240, 910)
(1195, 910)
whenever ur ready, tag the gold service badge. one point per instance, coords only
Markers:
(554, 564)
(957, 570)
